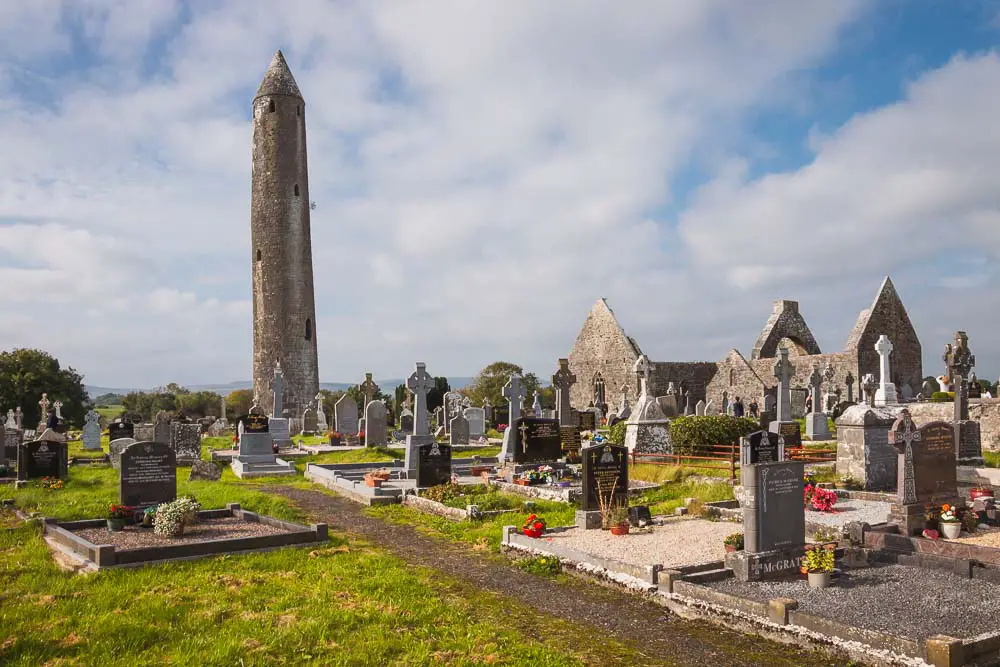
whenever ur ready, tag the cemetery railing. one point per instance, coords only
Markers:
(811, 454)
(722, 458)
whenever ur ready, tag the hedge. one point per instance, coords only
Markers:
(617, 433)
(688, 434)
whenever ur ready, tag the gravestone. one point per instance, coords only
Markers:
(161, 430)
(535, 440)
(309, 422)
(863, 449)
(515, 392)
(699, 409)
(11, 441)
(458, 430)
(42, 458)
(439, 417)
(501, 415)
(148, 474)
(419, 383)
(279, 430)
(885, 395)
(605, 475)
(570, 443)
(433, 464)
(142, 432)
(406, 422)
(647, 430)
(762, 447)
(256, 457)
(477, 422)
(588, 420)
(345, 416)
(817, 427)
(926, 470)
(185, 440)
(376, 433)
(563, 381)
(116, 447)
(321, 424)
(773, 521)
(92, 431)
(960, 362)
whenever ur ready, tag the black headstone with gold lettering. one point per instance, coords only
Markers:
(605, 476)
(148, 474)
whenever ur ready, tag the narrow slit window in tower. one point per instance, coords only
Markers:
(309, 329)
(298, 109)
(258, 254)
(270, 106)
(296, 189)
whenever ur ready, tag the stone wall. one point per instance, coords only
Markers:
(986, 411)
(693, 376)
(785, 323)
(888, 316)
(602, 346)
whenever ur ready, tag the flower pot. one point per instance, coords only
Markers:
(951, 529)
(334, 442)
(620, 529)
(533, 532)
(819, 579)
(730, 548)
(522, 482)
(115, 525)
(981, 493)
(373, 482)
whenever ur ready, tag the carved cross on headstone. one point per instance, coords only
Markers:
(563, 381)
(902, 438)
(277, 391)
(849, 381)
(641, 368)
(815, 382)
(420, 383)
(524, 437)
(368, 388)
(58, 408)
(44, 405)
(515, 392)
(783, 370)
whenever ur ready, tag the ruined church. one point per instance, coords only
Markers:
(603, 357)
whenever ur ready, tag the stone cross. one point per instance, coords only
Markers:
(420, 383)
(58, 408)
(868, 385)
(886, 393)
(514, 392)
(849, 381)
(277, 390)
(563, 381)
(368, 388)
(536, 404)
(783, 370)
(44, 405)
(903, 439)
(18, 416)
(960, 362)
(815, 382)
(11, 422)
(641, 368)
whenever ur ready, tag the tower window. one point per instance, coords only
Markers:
(258, 254)
(270, 106)
(309, 329)
(298, 109)
(296, 189)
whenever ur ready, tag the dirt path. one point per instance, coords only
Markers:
(661, 636)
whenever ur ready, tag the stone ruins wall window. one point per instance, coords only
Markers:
(732, 377)
(296, 189)
(270, 106)
(309, 329)
(258, 255)
(298, 109)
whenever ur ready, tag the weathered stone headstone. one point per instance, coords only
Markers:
(563, 381)
(368, 389)
(605, 475)
(960, 361)
(647, 429)
(816, 423)
(926, 470)
(376, 433)
(535, 440)
(161, 429)
(92, 431)
(433, 464)
(699, 409)
(762, 447)
(345, 416)
(42, 458)
(185, 440)
(321, 425)
(419, 383)
(406, 421)
(885, 395)
(477, 422)
(515, 392)
(11, 441)
(279, 430)
(309, 421)
(277, 392)
(458, 430)
(143, 432)
(588, 420)
(863, 449)
(205, 471)
(116, 447)
(148, 474)
(11, 422)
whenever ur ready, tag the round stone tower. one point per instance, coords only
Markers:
(284, 308)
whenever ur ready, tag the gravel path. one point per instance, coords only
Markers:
(680, 541)
(134, 537)
(663, 638)
(905, 601)
(869, 511)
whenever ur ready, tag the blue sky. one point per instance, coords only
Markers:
(483, 172)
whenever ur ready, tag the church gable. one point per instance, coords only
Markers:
(602, 347)
(785, 323)
(888, 316)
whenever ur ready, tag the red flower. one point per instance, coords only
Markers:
(537, 526)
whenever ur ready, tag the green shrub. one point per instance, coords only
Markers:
(942, 397)
(443, 492)
(689, 434)
(617, 434)
(541, 565)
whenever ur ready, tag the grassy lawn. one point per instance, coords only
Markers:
(342, 603)
(111, 412)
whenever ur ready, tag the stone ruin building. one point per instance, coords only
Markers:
(604, 350)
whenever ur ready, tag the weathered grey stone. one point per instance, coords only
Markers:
(116, 447)
(185, 440)
(863, 449)
(458, 430)
(345, 415)
(476, 418)
(376, 430)
(205, 471)
(92, 431)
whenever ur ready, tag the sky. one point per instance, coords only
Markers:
(483, 172)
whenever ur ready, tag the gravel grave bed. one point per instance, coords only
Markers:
(984, 538)
(134, 537)
(679, 541)
(847, 510)
(905, 601)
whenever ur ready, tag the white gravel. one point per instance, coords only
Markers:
(847, 510)
(679, 541)
(904, 601)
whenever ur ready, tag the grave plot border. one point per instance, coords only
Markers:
(105, 556)
(470, 513)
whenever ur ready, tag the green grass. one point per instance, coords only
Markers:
(76, 450)
(654, 472)
(992, 459)
(110, 411)
(667, 498)
(486, 499)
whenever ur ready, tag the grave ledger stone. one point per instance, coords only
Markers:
(256, 457)
(148, 474)
(433, 464)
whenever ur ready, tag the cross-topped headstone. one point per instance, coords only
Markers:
(886, 393)
(960, 362)
(536, 404)
(524, 436)
(44, 405)
(563, 381)
(783, 370)
(277, 391)
(927, 471)
(420, 383)
(849, 381)
(641, 368)
(903, 438)
(58, 408)
(515, 392)
(368, 388)
(815, 382)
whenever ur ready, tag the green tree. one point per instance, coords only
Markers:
(400, 396)
(435, 395)
(490, 381)
(148, 404)
(238, 402)
(198, 403)
(107, 400)
(25, 374)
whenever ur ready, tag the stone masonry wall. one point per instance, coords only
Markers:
(602, 346)
(986, 411)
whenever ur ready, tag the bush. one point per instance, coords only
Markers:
(942, 397)
(617, 434)
(443, 492)
(543, 566)
(689, 434)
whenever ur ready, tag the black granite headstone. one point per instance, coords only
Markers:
(790, 431)
(588, 421)
(433, 464)
(255, 423)
(120, 430)
(605, 474)
(926, 461)
(569, 437)
(536, 440)
(148, 474)
(762, 447)
(42, 458)
(774, 517)
(501, 415)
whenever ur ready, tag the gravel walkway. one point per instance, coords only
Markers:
(869, 511)
(904, 601)
(680, 541)
(134, 537)
(664, 639)
(984, 538)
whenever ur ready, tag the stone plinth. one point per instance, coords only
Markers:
(817, 427)
(648, 437)
(765, 564)
(863, 449)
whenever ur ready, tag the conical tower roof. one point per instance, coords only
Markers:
(278, 79)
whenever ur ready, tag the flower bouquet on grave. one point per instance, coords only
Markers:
(334, 438)
(533, 526)
(733, 542)
(501, 428)
(51, 483)
(548, 474)
(823, 500)
(818, 564)
(532, 477)
(119, 516)
(949, 522)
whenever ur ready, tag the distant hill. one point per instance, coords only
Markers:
(387, 386)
